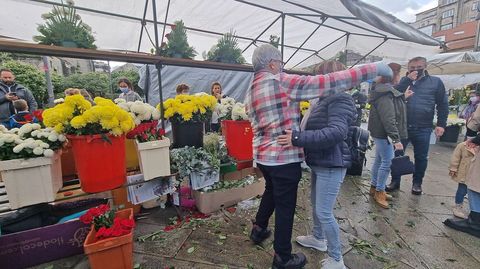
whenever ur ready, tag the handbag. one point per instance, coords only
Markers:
(401, 165)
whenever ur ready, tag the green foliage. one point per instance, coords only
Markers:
(96, 83)
(177, 44)
(30, 77)
(226, 50)
(64, 27)
(132, 75)
(459, 96)
(274, 41)
(57, 82)
(5, 57)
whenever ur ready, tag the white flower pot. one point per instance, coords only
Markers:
(199, 180)
(154, 158)
(32, 181)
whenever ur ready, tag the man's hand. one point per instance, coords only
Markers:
(413, 75)
(10, 97)
(398, 146)
(408, 93)
(452, 173)
(439, 131)
(285, 139)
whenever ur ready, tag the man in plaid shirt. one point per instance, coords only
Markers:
(272, 105)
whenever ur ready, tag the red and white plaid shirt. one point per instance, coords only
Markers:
(272, 105)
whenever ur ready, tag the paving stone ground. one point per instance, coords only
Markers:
(410, 235)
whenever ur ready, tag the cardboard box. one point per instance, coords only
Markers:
(237, 175)
(37, 246)
(208, 202)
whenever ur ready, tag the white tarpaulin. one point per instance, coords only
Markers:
(349, 24)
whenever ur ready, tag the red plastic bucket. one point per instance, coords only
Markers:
(239, 139)
(100, 164)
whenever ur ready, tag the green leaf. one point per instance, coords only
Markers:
(222, 237)
(191, 250)
(137, 266)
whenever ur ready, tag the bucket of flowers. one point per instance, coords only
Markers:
(237, 130)
(109, 242)
(188, 114)
(151, 144)
(30, 164)
(97, 135)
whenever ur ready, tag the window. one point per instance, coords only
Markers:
(446, 26)
(474, 6)
(448, 13)
(446, 2)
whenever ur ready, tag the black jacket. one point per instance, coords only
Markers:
(326, 132)
(429, 94)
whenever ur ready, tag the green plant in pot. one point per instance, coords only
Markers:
(64, 27)
(177, 43)
(226, 50)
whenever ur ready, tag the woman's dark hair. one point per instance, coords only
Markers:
(214, 84)
(182, 87)
(126, 81)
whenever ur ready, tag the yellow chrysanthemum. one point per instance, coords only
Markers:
(78, 122)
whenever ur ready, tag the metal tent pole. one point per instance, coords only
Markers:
(143, 25)
(158, 65)
(283, 34)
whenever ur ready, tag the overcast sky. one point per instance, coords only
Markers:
(404, 9)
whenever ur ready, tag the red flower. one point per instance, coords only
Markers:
(86, 218)
(28, 117)
(104, 233)
(38, 114)
(127, 224)
(103, 208)
(169, 228)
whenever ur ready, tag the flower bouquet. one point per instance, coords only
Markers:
(97, 137)
(30, 164)
(304, 106)
(228, 109)
(187, 113)
(109, 242)
(215, 145)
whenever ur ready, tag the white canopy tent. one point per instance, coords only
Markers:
(313, 30)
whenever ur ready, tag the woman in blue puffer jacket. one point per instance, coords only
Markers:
(327, 154)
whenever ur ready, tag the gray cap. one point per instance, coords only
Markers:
(263, 55)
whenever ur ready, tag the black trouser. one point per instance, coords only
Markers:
(281, 184)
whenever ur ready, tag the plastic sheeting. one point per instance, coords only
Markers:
(367, 26)
(234, 83)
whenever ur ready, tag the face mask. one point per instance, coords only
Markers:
(474, 99)
(420, 73)
(124, 90)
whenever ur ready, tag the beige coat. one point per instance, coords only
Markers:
(473, 175)
(460, 162)
(474, 122)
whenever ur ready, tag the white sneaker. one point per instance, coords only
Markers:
(459, 212)
(310, 241)
(331, 263)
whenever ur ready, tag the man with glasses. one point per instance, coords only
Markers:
(272, 105)
(428, 95)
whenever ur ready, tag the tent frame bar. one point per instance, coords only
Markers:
(324, 47)
(366, 55)
(306, 40)
(259, 35)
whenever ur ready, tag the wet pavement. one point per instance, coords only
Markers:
(410, 235)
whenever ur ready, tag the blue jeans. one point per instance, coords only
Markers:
(383, 161)
(325, 187)
(474, 200)
(420, 139)
(461, 192)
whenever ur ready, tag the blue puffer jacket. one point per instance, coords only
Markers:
(429, 95)
(326, 132)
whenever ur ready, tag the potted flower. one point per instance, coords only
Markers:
(452, 131)
(97, 134)
(152, 148)
(109, 242)
(237, 131)
(215, 145)
(201, 166)
(188, 114)
(30, 164)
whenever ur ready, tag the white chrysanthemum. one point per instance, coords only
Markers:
(137, 121)
(238, 112)
(27, 128)
(18, 141)
(48, 153)
(35, 133)
(138, 108)
(62, 138)
(119, 101)
(38, 151)
(45, 145)
(3, 129)
(52, 137)
(59, 101)
(30, 145)
(155, 114)
(18, 148)
(200, 93)
(36, 126)
(10, 138)
(14, 130)
(124, 106)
